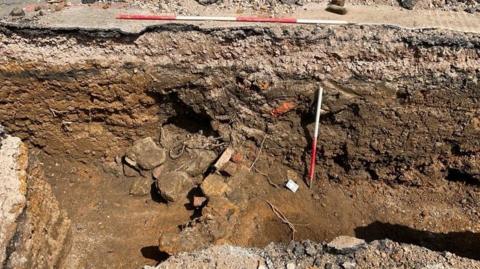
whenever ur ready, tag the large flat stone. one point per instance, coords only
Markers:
(345, 244)
(214, 185)
(146, 154)
(174, 186)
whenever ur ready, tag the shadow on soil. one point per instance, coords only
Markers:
(464, 244)
(153, 253)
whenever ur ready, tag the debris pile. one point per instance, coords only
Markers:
(306, 254)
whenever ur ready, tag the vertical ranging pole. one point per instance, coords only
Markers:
(313, 157)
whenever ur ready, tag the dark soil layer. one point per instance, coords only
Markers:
(399, 140)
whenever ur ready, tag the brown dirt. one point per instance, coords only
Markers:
(399, 145)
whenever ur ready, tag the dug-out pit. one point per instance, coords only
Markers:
(399, 147)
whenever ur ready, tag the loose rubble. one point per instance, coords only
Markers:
(306, 254)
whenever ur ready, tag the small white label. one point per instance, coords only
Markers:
(291, 185)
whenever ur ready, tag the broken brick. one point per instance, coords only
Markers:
(283, 108)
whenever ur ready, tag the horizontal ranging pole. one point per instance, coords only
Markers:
(218, 18)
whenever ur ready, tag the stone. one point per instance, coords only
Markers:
(146, 154)
(112, 168)
(408, 4)
(470, 10)
(219, 207)
(173, 186)
(130, 162)
(299, 250)
(140, 186)
(345, 244)
(214, 185)
(230, 169)
(129, 171)
(158, 171)
(310, 249)
(199, 161)
(290, 265)
(288, 2)
(336, 9)
(349, 265)
(340, 3)
(224, 158)
(209, 2)
(17, 12)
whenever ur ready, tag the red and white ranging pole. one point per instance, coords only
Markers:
(313, 157)
(232, 19)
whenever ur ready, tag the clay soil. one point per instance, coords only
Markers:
(398, 155)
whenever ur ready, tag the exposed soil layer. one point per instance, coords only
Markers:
(399, 142)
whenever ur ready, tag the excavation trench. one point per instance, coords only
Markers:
(399, 147)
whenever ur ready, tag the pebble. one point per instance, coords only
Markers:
(299, 250)
(349, 265)
(408, 4)
(345, 244)
(336, 9)
(290, 265)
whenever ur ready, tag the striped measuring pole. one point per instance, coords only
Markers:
(230, 19)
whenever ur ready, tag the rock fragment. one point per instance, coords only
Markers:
(173, 186)
(336, 9)
(140, 187)
(214, 185)
(199, 161)
(158, 171)
(224, 158)
(146, 154)
(408, 4)
(230, 169)
(208, 2)
(345, 244)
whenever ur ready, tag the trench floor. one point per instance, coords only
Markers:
(112, 229)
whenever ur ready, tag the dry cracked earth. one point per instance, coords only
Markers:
(171, 147)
